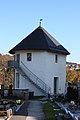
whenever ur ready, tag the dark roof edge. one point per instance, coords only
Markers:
(58, 49)
(49, 50)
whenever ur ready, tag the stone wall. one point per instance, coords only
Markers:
(21, 93)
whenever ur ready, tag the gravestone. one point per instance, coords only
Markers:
(10, 90)
(2, 90)
(78, 86)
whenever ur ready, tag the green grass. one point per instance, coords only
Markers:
(51, 111)
(37, 97)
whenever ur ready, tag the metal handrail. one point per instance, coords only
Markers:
(45, 87)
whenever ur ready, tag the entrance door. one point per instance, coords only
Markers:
(18, 60)
(55, 84)
(17, 80)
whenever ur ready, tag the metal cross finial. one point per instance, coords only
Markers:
(40, 22)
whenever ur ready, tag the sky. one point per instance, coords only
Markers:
(61, 18)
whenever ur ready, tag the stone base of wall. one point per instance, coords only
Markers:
(21, 93)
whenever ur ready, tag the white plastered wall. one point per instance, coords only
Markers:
(43, 65)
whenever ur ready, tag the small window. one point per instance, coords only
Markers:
(29, 56)
(56, 58)
(17, 80)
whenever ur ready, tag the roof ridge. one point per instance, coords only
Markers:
(44, 35)
(51, 37)
(57, 44)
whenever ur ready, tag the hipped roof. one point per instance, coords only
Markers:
(40, 39)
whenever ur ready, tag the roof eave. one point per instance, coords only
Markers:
(60, 51)
(49, 50)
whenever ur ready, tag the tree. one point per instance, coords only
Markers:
(10, 76)
(72, 75)
(7, 76)
(72, 93)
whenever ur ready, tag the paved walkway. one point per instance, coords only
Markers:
(34, 112)
(16, 117)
